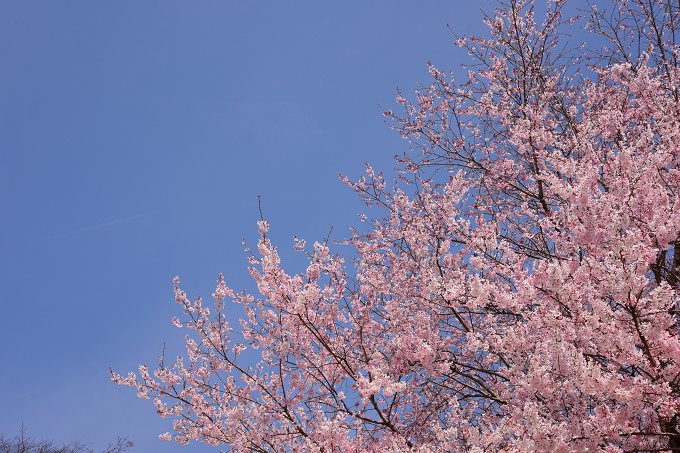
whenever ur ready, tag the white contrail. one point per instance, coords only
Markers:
(103, 225)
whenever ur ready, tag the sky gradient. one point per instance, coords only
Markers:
(135, 137)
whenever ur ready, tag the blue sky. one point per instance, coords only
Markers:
(135, 137)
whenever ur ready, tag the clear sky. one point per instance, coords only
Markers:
(134, 138)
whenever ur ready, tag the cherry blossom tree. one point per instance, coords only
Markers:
(516, 288)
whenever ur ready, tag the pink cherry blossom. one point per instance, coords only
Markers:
(515, 290)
